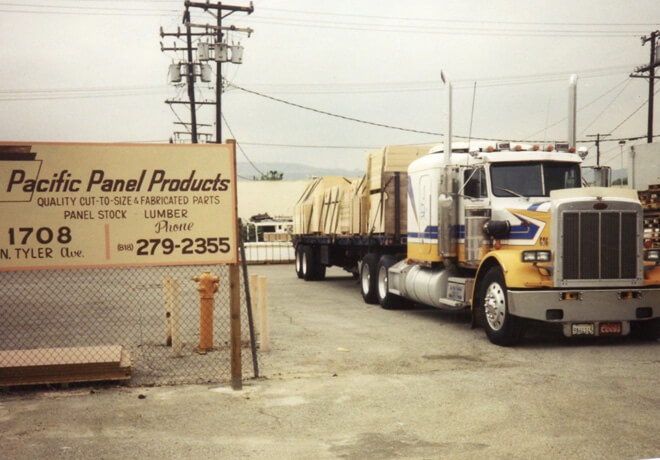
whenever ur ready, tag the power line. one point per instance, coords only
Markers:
(464, 21)
(434, 30)
(83, 13)
(431, 85)
(78, 7)
(323, 112)
(240, 147)
(606, 107)
(631, 115)
(311, 146)
(593, 101)
(383, 125)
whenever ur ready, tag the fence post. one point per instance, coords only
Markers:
(235, 326)
(254, 288)
(263, 313)
(167, 304)
(175, 318)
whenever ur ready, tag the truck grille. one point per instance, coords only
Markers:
(599, 245)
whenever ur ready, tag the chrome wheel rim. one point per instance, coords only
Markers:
(382, 282)
(495, 306)
(303, 263)
(298, 263)
(365, 278)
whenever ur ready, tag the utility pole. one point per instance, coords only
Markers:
(650, 68)
(211, 40)
(191, 76)
(218, 83)
(597, 136)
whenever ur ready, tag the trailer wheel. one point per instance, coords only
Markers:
(299, 272)
(369, 278)
(307, 263)
(386, 299)
(501, 327)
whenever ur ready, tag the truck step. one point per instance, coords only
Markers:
(451, 304)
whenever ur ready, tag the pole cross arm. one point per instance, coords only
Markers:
(232, 28)
(210, 6)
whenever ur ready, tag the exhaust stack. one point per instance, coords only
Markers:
(447, 146)
(572, 104)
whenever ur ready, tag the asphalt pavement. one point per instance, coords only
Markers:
(348, 380)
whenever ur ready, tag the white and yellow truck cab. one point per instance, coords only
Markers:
(510, 233)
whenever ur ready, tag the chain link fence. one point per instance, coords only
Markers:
(87, 314)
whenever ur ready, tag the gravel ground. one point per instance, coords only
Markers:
(348, 380)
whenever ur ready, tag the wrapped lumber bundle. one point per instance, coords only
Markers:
(318, 209)
(387, 185)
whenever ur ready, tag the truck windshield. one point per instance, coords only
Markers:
(533, 178)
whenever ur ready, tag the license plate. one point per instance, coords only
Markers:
(583, 329)
(456, 291)
(610, 328)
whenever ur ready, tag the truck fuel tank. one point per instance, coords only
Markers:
(420, 284)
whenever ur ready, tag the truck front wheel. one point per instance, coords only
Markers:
(369, 278)
(501, 327)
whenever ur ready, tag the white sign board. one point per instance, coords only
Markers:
(105, 205)
(644, 166)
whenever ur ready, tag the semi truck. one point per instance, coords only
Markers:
(506, 231)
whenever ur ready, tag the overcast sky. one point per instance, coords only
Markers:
(92, 70)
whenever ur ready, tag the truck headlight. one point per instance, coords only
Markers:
(536, 256)
(652, 255)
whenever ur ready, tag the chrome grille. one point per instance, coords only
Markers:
(599, 245)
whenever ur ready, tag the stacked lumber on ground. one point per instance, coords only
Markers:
(64, 365)
(651, 202)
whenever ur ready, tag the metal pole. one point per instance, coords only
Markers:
(248, 300)
(191, 78)
(651, 88)
(218, 83)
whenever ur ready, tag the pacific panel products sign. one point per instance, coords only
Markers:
(107, 205)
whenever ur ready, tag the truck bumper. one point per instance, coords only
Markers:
(574, 306)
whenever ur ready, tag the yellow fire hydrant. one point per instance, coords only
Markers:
(208, 286)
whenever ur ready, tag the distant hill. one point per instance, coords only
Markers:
(294, 171)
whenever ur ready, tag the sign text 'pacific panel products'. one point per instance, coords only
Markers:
(103, 205)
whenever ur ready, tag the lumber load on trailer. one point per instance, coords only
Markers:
(387, 179)
(317, 211)
(372, 205)
(64, 365)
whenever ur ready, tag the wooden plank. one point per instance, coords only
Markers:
(65, 370)
(375, 223)
(375, 169)
(397, 158)
(10, 359)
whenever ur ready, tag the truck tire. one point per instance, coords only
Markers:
(369, 278)
(320, 270)
(299, 272)
(307, 263)
(386, 299)
(501, 327)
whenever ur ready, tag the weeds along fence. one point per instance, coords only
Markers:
(74, 311)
